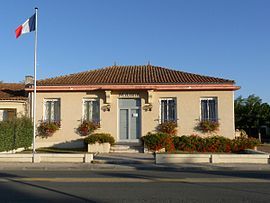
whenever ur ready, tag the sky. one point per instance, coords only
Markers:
(221, 38)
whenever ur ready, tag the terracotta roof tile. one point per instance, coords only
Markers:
(12, 91)
(119, 75)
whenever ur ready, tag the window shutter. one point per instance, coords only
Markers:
(11, 114)
(95, 112)
(212, 110)
(204, 110)
(56, 111)
(171, 110)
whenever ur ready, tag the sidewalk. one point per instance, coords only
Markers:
(125, 162)
(264, 148)
(127, 167)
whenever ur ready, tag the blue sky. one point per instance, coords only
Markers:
(222, 38)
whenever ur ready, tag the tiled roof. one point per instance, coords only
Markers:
(144, 74)
(12, 91)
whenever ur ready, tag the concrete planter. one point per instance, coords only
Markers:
(212, 158)
(240, 158)
(99, 147)
(64, 158)
(182, 158)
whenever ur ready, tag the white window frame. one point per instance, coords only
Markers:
(208, 99)
(44, 107)
(160, 109)
(89, 99)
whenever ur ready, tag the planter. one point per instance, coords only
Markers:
(182, 158)
(99, 147)
(240, 158)
(48, 157)
(212, 158)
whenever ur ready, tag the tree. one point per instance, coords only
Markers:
(251, 113)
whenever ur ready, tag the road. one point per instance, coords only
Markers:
(142, 185)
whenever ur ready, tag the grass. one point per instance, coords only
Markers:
(57, 150)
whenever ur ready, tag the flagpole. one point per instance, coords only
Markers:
(35, 85)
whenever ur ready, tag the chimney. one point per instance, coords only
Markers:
(29, 80)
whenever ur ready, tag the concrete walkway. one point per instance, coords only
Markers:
(264, 148)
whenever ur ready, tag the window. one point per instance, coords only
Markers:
(91, 110)
(7, 114)
(209, 109)
(52, 110)
(167, 109)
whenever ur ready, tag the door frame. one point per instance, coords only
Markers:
(118, 121)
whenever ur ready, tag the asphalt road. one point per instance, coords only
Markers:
(148, 185)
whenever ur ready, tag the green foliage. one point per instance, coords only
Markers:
(16, 134)
(195, 143)
(87, 127)
(188, 143)
(168, 127)
(47, 129)
(251, 112)
(157, 141)
(208, 126)
(100, 138)
(241, 143)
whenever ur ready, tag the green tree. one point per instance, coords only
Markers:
(251, 113)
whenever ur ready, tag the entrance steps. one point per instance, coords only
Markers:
(126, 148)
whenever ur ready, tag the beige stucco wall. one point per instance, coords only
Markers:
(20, 106)
(188, 112)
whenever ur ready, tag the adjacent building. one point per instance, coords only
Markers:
(13, 101)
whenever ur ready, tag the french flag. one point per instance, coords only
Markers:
(28, 26)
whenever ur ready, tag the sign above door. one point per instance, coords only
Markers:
(129, 95)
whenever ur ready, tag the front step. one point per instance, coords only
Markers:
(126, 148)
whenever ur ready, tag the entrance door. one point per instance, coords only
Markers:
(129, 119)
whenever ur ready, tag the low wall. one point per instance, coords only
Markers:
(182, 158)
(240, 158)
(212, 158)
(64, 158)
(16, 158)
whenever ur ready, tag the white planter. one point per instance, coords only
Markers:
(212, 158)
(241, 158)
(182, 158)
(100, 148)
(49, 157)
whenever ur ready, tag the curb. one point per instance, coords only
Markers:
(132, 166)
